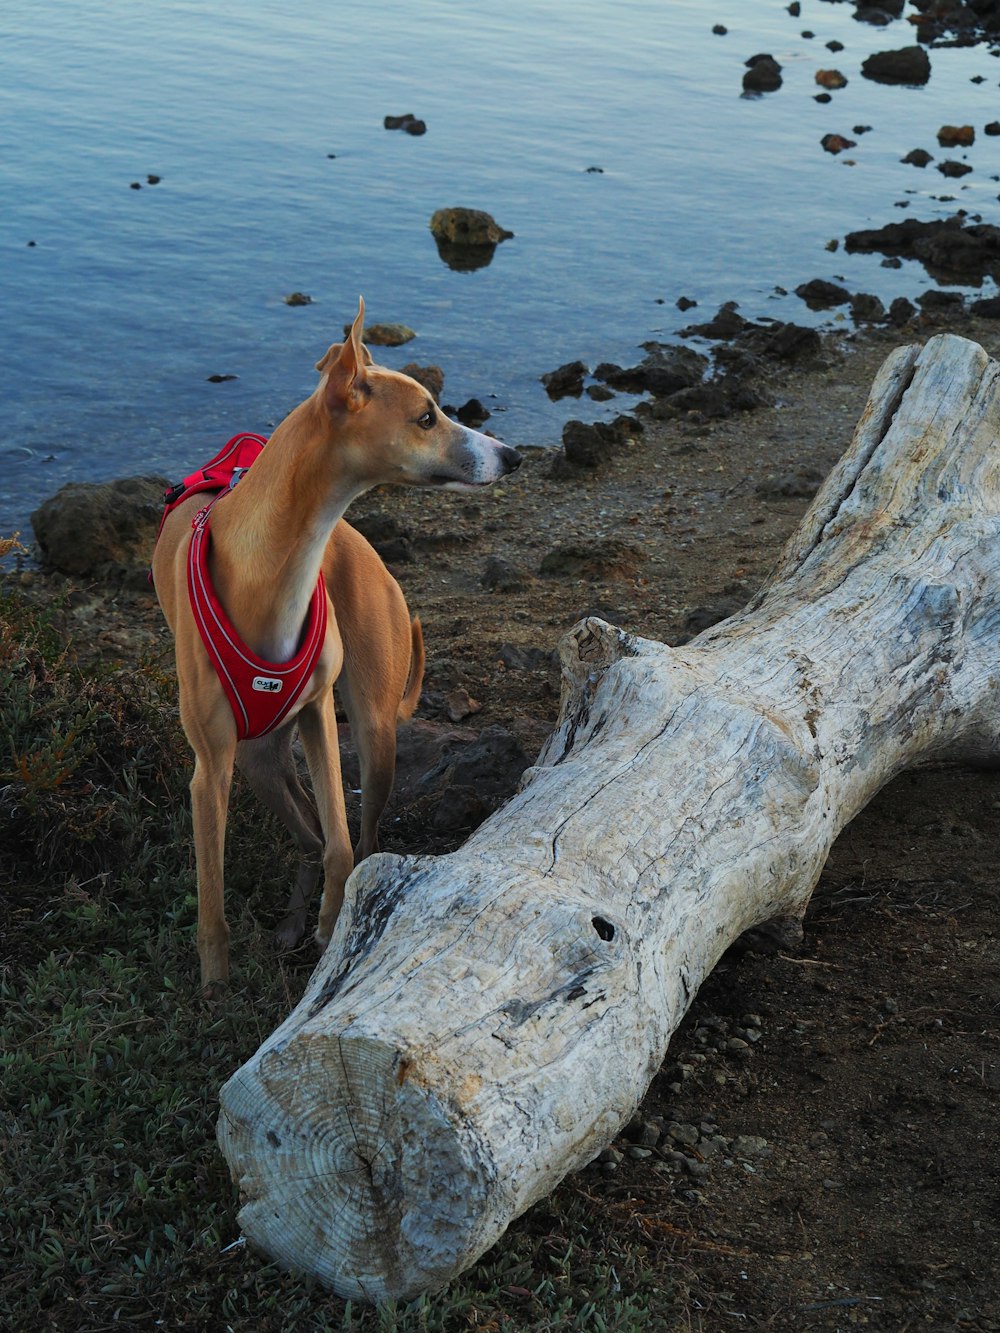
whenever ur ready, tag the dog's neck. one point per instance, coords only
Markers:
(270, 533)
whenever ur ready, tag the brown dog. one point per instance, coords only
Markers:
(271, 537)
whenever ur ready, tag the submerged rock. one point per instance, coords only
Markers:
(947, 248)
(408, 122)
(466, 238)
(430, 377)
(727, 322)
(665, 370)
(472, 413)
(819, 294)
(910, 64)
(467, 226)
(763, 74)
(956, 136)
(954, 169)
(879, 15)
(384, 335)
(565, 381)
(836, 143)
(867, 309)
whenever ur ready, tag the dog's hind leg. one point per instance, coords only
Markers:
(371, 712)
(268, 764)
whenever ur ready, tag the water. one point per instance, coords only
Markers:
(130, 299)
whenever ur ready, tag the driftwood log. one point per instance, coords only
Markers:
(485, 1022)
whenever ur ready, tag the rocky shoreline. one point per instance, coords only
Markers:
(515, 568)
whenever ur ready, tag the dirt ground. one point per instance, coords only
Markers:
(819, 1150)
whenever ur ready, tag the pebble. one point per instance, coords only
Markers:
(638, 1154)
(830, 78)
(750, 1146)
(648, 1135)
(500, 575)
(956, 136)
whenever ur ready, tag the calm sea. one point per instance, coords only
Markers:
(264, 123)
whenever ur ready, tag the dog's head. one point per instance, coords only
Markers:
(388, 428)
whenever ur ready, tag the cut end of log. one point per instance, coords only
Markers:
(402, 1196)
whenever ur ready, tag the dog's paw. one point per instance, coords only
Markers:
(322, 939)
(289, 933)
(214, 992)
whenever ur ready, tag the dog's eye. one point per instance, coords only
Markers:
(427, 420)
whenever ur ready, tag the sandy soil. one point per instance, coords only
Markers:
(819, 1150)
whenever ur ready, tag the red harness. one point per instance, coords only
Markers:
(260, 693)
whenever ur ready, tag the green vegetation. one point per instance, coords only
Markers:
(117, 1210)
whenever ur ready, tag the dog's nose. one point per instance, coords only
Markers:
(510, 459)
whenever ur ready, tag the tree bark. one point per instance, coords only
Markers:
(485, 1022)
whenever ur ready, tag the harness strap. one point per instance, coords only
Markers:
(224, 470)
(260, 693)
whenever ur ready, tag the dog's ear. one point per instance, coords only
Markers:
(328, 357)
(345, 365)
(334, 350)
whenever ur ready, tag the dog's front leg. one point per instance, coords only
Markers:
(318, 731)
(210, 787)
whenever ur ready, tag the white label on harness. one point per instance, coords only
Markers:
(267, 684)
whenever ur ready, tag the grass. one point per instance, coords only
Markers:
(116, 1208)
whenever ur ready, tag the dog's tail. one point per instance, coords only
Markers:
(411, 696)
